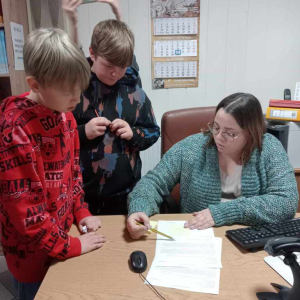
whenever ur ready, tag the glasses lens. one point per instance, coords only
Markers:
(228, 137)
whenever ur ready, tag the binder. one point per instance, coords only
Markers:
(284, 103)
(282, 113)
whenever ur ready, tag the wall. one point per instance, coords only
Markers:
(245, 45)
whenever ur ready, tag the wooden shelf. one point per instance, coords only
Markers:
(4, 75)
(1, 25)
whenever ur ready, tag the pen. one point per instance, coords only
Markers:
(156, 231)
(96, 112)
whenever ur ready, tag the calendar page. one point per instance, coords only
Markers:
(174, 26)
(175, 48)
(175, 69)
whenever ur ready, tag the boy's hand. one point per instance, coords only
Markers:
(121, 129)
(91, 241)
(91, 223)
(70, 7)
(136, 231)
(115, 7)
(96, 127)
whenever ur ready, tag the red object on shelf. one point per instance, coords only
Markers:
(284, 103)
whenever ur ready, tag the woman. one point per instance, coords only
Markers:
(234, 173)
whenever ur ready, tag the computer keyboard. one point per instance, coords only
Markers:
(255, 237)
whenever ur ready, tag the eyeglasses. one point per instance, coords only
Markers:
(215, 130)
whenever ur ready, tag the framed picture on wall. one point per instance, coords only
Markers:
(45, 13)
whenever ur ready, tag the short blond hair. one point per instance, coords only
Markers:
(53, 60)
(113, 41)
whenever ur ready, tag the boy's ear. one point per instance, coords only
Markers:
(92, 54)
(33, 84)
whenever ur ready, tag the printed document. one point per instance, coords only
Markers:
(192, 262)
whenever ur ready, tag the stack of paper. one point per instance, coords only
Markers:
(192, 262)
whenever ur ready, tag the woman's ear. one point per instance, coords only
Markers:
(33, 84)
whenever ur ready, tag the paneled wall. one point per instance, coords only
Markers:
(245, 45)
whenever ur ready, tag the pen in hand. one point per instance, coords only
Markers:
(156, 231)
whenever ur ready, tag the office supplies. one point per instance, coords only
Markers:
(252, 238)
(138, 261)
(285, 246)
(287, 94)
(191, 263)
(96, 112)
(282, 113)
(156, 231)
(277, 264)
(283, 103)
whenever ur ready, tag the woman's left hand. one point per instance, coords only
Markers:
(201, 220)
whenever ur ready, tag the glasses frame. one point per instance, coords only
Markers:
(234, 137)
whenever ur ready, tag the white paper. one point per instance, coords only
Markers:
(281, 268)
(17, 35)
(175, 26)
(297, 92)
(188, 279)
(176, 230)
(175, 69)
(192, 262)
(175, 48)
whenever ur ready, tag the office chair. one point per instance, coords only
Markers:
(175, 126)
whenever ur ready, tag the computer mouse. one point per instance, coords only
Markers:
(138, 261)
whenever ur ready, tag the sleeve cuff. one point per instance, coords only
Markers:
(226, 213)
(135, 138)
(82, 136)
(75, 247)
(81, 214)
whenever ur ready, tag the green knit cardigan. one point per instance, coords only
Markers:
(269, 189)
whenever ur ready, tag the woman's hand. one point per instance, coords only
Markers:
(136, 231)
(201, 220)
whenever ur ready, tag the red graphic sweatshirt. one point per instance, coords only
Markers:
(40, 187)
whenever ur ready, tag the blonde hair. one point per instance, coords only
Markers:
(113, 41)
(52, 59)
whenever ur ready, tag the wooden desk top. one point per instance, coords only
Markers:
(105, 273)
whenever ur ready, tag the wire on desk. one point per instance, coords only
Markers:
(152, 287)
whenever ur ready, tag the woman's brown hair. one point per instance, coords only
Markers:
(247, 111)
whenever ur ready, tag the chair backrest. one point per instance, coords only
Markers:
(179, 124)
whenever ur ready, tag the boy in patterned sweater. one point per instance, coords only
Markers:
(40, 180)
(115, 117)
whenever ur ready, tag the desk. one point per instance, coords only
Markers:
(105, 273)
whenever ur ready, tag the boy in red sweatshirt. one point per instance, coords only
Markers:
(40, 180)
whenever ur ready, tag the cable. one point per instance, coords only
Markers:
(152, 287)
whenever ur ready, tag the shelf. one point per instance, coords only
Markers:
(1, 25)
(4, 75)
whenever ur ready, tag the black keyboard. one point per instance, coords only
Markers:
(255, 237)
